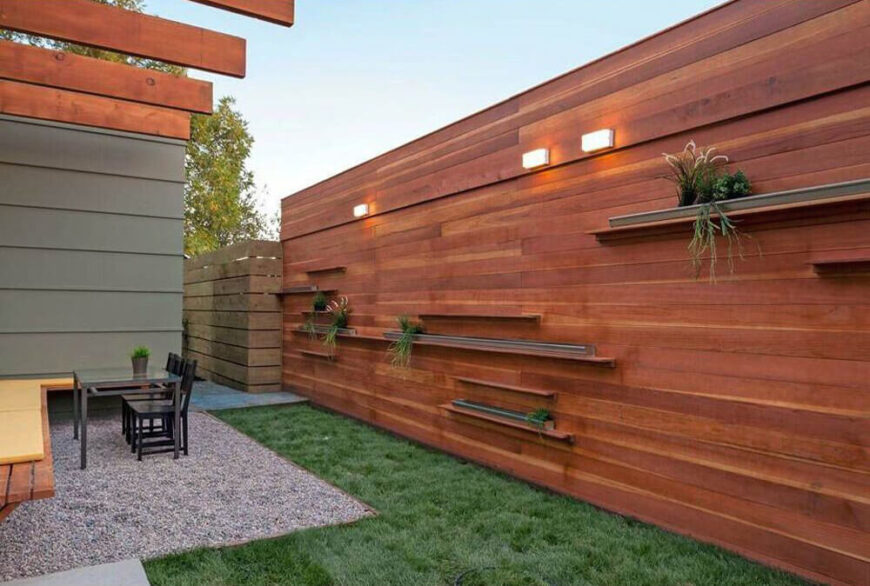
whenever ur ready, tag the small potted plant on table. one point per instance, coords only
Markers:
(139, 357)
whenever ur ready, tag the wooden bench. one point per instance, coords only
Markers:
(26, 481)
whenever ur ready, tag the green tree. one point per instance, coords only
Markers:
(220, 197)
(220, 194)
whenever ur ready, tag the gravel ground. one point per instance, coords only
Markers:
(230, 489)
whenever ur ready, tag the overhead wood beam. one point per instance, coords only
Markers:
(275, 11)
(68, 71)
(108, 27)
(35, 101)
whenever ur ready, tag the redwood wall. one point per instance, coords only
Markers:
(736, 412)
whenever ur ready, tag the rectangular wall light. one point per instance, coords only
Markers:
(595, 141)
(536, 158)
(360, 210)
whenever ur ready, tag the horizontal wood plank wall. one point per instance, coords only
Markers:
(737, 413)
(232, 315)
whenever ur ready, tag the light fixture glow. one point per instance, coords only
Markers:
(595, 141)
(360, 210)
(536, 158)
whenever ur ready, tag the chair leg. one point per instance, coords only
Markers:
(141, 426)
(123, 418)
(133, 430)
(184, 432)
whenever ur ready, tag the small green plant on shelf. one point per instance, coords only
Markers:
(541, 418)
(699, 178)
(319, 303)
(400, 350)
(339, 311)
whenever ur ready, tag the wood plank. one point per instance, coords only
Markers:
(274, 11)
(108, 27)
(247, 249)
(68, 71)
(33, 101)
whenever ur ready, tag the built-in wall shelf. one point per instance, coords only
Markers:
(319, 270)
(528, 317)
(303, 289)
(315, 354)
(841, 264)
(794, 201)
(465, 411)
(323, 328)
(513, 389)
(573, 352)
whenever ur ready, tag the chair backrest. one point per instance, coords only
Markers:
(174, 363)
(188, 376)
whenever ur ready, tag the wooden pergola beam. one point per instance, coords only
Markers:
(274, 11)
(124, 31)
(68, 71)
(45, 103)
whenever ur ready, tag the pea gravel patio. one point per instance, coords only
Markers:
(229, 490)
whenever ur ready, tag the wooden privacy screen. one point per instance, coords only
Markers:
(232, 315)
(736, 412)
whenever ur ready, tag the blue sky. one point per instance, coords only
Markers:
(354, 78)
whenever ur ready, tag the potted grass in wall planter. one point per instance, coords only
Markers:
(700, 179)
(139, 357)
(339, 311)
(400, 350)
(541, 419)
(318, 305)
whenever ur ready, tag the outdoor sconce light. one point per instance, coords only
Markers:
(595, 141)
(360, 210)
(536, 158)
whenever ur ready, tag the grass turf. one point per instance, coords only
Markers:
(440, 517)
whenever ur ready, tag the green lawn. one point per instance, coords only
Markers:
(440, 517)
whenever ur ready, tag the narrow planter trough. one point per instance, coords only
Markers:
(509, 414)
(821, 192)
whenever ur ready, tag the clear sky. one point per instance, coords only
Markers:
(354, 78)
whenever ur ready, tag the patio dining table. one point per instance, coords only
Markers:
(111, 382)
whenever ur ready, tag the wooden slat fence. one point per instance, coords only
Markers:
(232, 315)
(736, 413)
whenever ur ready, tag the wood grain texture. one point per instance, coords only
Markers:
(233, 315)
(736, 413)
(28, 480)
(124, 31)
(274, 11)
(45, 103)
(69, 71)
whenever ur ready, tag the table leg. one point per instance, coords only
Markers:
(84, 446)
(75, 409)
(176, 432)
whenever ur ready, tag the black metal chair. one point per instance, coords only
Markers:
(162, 410)
(174, 364)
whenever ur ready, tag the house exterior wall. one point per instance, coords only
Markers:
(91, 246)
(735, 412)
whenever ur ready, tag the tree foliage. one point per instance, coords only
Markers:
(220, 196)
(220, 193)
